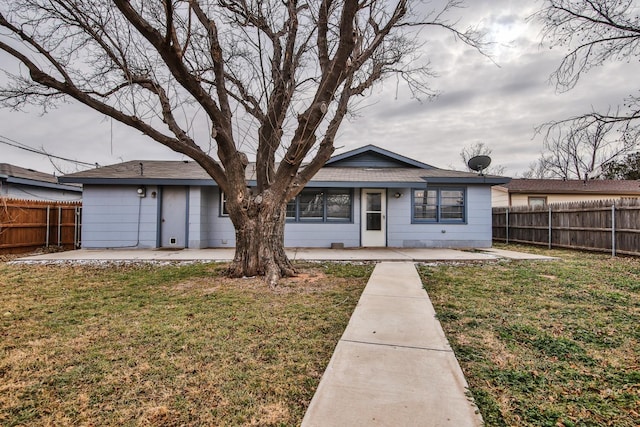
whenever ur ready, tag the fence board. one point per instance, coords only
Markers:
(608, 225)
(26, 225)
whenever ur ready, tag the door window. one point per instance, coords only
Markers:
(374, 211)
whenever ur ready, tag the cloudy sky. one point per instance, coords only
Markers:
(499, 104)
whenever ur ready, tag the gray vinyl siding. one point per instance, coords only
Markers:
(221, 233)
(29, 192)
(110, 220)
(322, 235)
(201, 204)
(475, 232)
(115, 217)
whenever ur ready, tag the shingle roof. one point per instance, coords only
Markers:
(558, 186)
(150, 170)
(18, 172)
(348, 169)
(146, 169)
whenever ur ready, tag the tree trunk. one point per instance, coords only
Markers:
(260, 243)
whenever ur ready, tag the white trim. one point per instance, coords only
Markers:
(376, 237)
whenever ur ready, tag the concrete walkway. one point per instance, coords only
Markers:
(393, 365)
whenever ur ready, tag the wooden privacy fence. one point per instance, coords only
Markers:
(27, 225)
(604, 226)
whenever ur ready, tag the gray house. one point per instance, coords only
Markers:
(28, 184)
(368, 197)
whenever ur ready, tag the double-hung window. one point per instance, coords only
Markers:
(314, 205)
(321, 205)
(440, 204)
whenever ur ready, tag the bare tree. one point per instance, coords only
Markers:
(594, 32)
(480, 149)
(274, 78)
(579, 151)
(536, 170)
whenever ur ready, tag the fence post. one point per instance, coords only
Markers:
(506, 212)
(59, 226)
(549, 227)
(613, 230)
(46, 243)
(76, 228)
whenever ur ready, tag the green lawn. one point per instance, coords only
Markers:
(166, 345)
(554, 343)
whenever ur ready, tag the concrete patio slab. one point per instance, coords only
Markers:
(307, 254)
(502, 253)
(388, 254)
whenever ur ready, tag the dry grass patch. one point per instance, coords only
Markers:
(166, 345)
(546, 343)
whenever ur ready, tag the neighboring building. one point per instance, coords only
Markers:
(540, 192)
(367, 197)
(27, 184)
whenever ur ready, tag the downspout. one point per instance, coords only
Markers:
(3, 178)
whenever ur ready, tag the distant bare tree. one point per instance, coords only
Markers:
(480, 149)
(271, 77)
(580, 151)
(595, 32)
(536, 171)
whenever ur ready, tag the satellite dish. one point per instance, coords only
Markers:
(479, 163)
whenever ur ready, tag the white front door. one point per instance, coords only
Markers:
(374, 217)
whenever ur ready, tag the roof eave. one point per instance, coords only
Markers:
(42, 184)
(482, 180)
(139, 181)
(604, 193)
(312, 183)
(212, 183)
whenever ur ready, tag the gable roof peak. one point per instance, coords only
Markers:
(400, 160)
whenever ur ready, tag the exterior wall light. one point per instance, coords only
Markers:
(142, 191)
(398, 195)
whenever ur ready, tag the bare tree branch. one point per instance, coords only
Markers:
(595, 32)
(578, 148)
